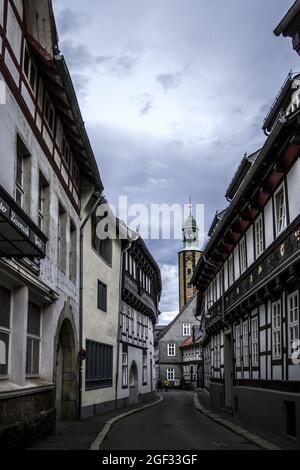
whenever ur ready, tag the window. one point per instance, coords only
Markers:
(76, 176)
(134, 269)
(19, 180)
(293, 321)
(102, 296)
(243, 255)
(5, 331)
(49, 114)
(145, 368)
(61, 240)
(171, 350)
(231, 270)
(280, 210)
(103, 247)
(171, 374)
(73, 253)
(33, 340)
(124, 319)
(130, 320)
(66, 153)
(254, 341)
(30, 70)
(23, 176)
(186, 329)
(276, 330)
(238, 345)
(259, 236)
(99, 366)
(43, 202)
(125, 367)
(217, 352)
(246, 344)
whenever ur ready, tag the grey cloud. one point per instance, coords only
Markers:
(70, 20)
(146, 103)
(171, 80)
(79, 57)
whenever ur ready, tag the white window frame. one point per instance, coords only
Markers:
(293, 320)
(145, 370)
(238, 345)
(254, 341)
(125, 369)
(231, 278)
(276, 330)
(243, 255)
(31, 67)
(186, 329)
(19, 185)
(259, 236)
(246, 344)
(171, 375)
(32, 338)
(47, 114)
(171, 350)
(280, 218)
(8, 332)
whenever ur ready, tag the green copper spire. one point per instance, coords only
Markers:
(190, 232)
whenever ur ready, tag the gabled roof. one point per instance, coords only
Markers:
(218, 216)
(289, 25)
(167, 328)
(44, 46)
(281, 102)
(241, 174)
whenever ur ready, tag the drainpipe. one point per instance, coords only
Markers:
(98, 200)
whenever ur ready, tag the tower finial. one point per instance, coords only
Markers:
(190, 206)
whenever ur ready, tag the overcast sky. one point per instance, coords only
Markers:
(173, 93)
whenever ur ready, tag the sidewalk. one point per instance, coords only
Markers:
(279, 441)
(79, 435)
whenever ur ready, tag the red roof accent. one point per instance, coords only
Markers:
(187, 342)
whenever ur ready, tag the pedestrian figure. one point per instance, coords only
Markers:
(159, 386)
(167, 385)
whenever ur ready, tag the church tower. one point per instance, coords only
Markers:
(188, 259)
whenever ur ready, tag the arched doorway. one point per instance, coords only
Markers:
(66, 374)
(133, 384)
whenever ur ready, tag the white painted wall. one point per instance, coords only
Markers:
(97, 325)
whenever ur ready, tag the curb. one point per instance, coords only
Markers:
(108, 425)
(253, 438)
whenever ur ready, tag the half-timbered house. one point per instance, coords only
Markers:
(249, 280)
(141, 291)
(48, 173)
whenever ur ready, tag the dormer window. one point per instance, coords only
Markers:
(49, 114)
(30, 70)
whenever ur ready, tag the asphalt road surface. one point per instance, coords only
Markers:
(174, 424)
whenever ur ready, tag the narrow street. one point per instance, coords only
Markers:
(173, 424)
